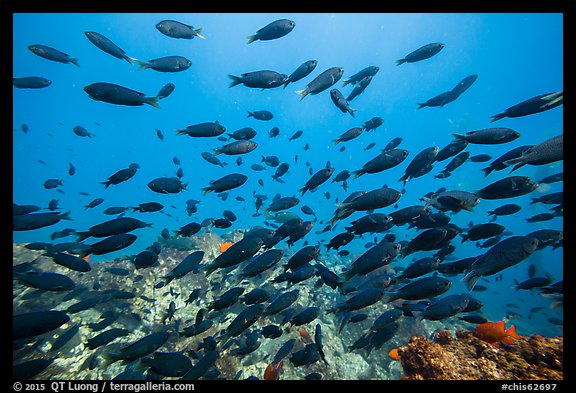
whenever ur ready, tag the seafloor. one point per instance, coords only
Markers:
(457, 355)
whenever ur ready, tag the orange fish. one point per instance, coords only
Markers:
(495, 332)
(394, 354)
(273, 371)
(225, 246)
(305, 335)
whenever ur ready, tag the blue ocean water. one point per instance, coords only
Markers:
(516, 57)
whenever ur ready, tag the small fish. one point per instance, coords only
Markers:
(31, 82)
(540, 103)
(302, 71)
(52, 54)
(261, 115)
(119, 95)
(164, 92)
(166, 64)
(322, 82)
(108, 46)
(274, 30)
(422, 53)
(175, 29)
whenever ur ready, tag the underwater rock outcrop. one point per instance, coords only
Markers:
(468, 357)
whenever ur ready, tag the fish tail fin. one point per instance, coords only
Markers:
(216, 151)
(302, 93)
(459, 137)
(345, 82)
(303, 190)
(400, 61)
(152, 101)
(286, 84)
(250, 114)
(464, 238)
(351, 111)
(106, 184)
(358, 173)
(236, 80)
(66, 216)
(487, 170)
(207, 190)
(181, 132)
(470, 279)
(336, 141)
(197, 33)
(497, 117)
(517, 162)
(74, 61)
(109, 358)
(143, 64)
(251, 38)
(420, 105)
(130, 59)
(511, 331)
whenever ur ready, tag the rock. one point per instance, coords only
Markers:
(467, 357)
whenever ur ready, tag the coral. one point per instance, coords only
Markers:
(467, 357)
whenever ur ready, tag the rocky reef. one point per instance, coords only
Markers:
(467, 357)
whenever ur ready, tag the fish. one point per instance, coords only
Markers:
(108, 46)
(175, 29)
(81, 131)
(301, 72)
(31, 82)
(168, 364)
(362, 299)
(372, 124)
(34, 323)
(241, 146)
(164, 92)
(109, 244)
(489, 136)
(369, 71)
(261, 115)
(504, 254)
(47, 281)
(359, 88)
(243, 133)
(111, 227)
(496, 332)
(30, 368)
(422, 160)
(341, 102)
(537, 104)
(138, 349)
(348, 135)
(119, 95)
(225, 183)
(273, 30)
(422, 53)
(166, 64)
(264, 79)
(322, 82)
(203, 130)
(28, 222)
(509, 187)
(94, 203)
(317, 179)
(549, 151)
(273, 371)
(239, 252)
(167, 185)
(296, 135)
(50, 53)
(386, 160)
(148, 207)
(483, 231)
